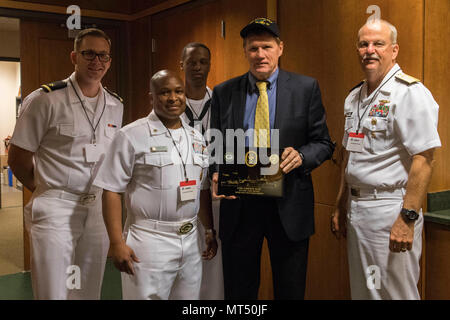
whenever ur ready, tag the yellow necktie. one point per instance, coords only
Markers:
(261, 136)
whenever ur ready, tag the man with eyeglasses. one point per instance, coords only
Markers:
(57, 148)
(390, 136)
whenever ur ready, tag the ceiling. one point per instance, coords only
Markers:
(117, 6)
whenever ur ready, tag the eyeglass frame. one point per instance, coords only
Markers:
(96, 55)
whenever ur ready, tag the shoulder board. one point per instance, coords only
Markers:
(406, 78)
(358, 85)
(115, 95)
(54, 86)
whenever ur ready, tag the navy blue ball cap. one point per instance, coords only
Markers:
(261, 24)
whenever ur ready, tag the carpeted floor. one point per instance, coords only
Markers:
(11, 231)
(18, 286)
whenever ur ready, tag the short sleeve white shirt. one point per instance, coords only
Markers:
(56, 128)
(400, 121)
(144, 163)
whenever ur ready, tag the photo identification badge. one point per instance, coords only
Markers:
(94, 151)
(355, 142)
(188, 190)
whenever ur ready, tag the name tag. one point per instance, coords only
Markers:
(348, 122)
(94, 151)
(159, 149)
(188, 190)
(355, 142)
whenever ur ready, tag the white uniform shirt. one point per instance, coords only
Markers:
(144, 163)
(400, 122)
(54, 126)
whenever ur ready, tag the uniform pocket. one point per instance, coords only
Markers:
(201, 160)
(110, 132)
(156, 170)
(375, 129)
(68, 130)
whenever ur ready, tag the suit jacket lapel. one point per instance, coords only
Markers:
(238, 101)
(282, 97)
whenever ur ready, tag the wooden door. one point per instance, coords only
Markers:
(45, 57)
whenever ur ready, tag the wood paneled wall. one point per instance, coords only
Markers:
(320, 37)
(200, 21)
(437, 79)
(139, 69)
(173, 29)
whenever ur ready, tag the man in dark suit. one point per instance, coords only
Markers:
(295, 109)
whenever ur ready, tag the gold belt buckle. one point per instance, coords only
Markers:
(186, 228)
(87, 198)
(354, 192)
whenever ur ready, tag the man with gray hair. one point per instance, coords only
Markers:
(389, 140)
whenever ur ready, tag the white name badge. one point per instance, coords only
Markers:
(348, 122)
(188, 190)
(355, 142)
(94, 151)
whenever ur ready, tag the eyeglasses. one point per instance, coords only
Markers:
(365, 44)
(90, 55)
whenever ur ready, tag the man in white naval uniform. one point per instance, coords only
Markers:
(390, 137)
(57, 148)
(159, 162)
(196, 63)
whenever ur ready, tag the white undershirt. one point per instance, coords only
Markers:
(197, 107)
(91, 103)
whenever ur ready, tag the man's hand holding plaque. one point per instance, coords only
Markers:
(291, 160)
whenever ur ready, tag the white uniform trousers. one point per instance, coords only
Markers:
(66, 234)
(212, 277)
(375, 271)
(170, 264)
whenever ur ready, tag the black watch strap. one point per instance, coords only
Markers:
(409, 214)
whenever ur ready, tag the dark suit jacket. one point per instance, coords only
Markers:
(301, 119)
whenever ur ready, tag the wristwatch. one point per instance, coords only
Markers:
(409, 214)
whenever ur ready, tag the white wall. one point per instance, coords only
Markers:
(10, 44)
(9, 89)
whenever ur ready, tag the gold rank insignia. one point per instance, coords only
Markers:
(115, 95)
(54, 86)
(406, 78)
